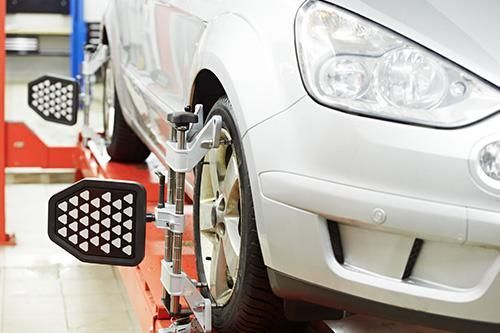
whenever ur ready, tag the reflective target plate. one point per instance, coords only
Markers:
(55, 99)
(99, 221)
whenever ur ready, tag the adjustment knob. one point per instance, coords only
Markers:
(182, 119)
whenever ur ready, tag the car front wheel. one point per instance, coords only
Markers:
(228, 254)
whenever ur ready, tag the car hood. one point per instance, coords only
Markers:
(462, 31)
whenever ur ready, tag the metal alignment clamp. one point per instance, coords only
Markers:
(183, 156)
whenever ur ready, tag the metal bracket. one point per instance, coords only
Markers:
(181, 285)
(185, 160)
(196, 128)
(95, 60)
(166, 218)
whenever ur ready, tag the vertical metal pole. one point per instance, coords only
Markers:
(87, 95)
(170, 201)
(179, 209)
(78, 35)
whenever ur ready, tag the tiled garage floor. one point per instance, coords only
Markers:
(44, 289)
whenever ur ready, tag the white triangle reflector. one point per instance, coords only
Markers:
(85, 195)
(106, 197)
(106, 210)
(85, 221)
(128, 237)
(106, 222)
(74, 239)
(105, 248)
(117, 217)
(74, 201)
(63, 206)
(128, 224)
(117, 243)
(127, 250)
(85, 208)
(117, 230)
(84, 233)
(74, 213)
(63, 232)
(96, 203)
(128, 211)
(84, 246)
(118, 204)
(106, 235)
(74, 226)
(128, 198)
(63, 219)
(95, 215)
(95, 241)
(95, 228)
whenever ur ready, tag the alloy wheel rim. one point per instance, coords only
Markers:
(220, 221)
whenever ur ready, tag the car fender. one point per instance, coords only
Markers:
(258, 84)
(259, 81)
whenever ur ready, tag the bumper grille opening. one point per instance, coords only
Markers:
(336, 240)
(412, 258)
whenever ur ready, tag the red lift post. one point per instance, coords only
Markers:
(5, 239)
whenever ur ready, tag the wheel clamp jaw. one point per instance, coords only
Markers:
(181, 285)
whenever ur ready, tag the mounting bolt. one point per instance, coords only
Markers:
(379, 216)
(199, 308)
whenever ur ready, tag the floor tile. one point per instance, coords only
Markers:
(2, 278)
(87, 272)
(29, 274)
(24, 256)
(90, 287)
(36, 323)
(99, 323)
(22, 306)
(95, 303)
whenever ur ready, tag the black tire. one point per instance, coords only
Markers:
(252, 307)
(123, 145)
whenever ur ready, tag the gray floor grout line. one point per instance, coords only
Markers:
(66, 320)
(2, 313)
(124, 296)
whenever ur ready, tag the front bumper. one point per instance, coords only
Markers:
(317, 166)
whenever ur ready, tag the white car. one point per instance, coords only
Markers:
(360, 169)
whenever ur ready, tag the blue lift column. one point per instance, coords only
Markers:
(78, 36)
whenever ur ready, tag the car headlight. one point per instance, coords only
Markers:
(352, 64)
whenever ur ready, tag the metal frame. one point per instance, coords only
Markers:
(184, 160)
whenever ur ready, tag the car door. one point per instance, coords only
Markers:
(157, 69)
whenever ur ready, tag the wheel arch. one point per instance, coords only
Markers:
(233, 55)
(247, 72)
(207, 90)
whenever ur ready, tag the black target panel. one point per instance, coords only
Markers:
(100, 221)
(55, 99)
